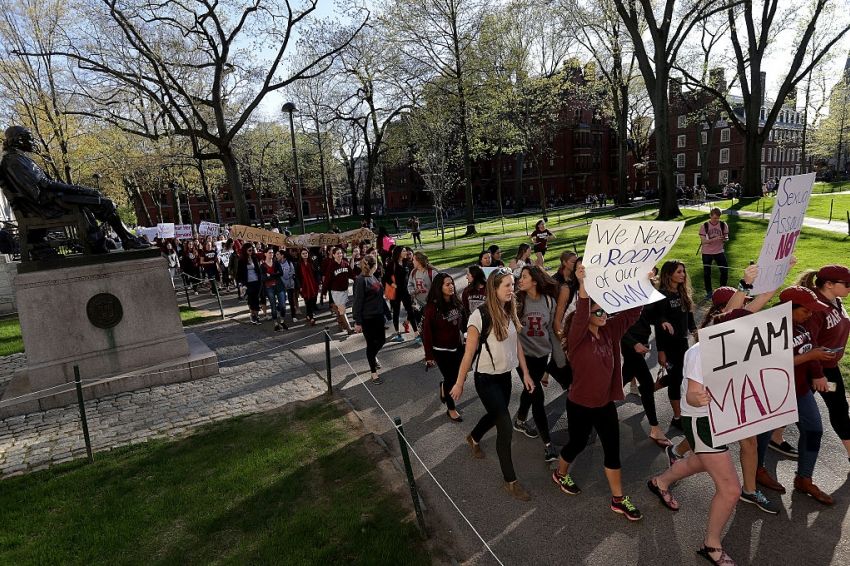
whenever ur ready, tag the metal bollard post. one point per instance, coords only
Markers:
(483, 244)
(411, 481)
(848, 222)
(831, 202)
(78, 382)
(526, 226)
(186, 288)
(328, 360)
(502, 218)
(214, 284)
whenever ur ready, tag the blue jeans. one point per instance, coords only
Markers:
(272, 299)
(811, 432)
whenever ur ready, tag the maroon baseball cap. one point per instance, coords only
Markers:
(833, 273)
(731, 315)
(722, 295)
(804, 297)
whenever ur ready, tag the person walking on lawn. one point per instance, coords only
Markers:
(713, 235)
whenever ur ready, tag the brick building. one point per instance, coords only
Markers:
(699, 130)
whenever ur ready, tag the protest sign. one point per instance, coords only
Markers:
(748, 369)
(251, 234)
(165, 230)
(183, 231)
(488, 270)
(786, 221)
(618, 257)
(149, 233)
(209, 229)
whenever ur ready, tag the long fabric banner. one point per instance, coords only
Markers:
(618, 257)
(251, 234)
(786, 221)
(748, 369)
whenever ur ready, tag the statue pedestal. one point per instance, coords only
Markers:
(118, 321)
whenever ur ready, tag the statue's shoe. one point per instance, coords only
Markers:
(135, 244)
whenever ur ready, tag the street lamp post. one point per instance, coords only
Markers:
(289, 108)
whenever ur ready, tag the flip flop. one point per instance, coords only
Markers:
(661, 442)
(664, 495)
(723, 560)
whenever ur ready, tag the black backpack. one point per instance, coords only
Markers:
(486, 326)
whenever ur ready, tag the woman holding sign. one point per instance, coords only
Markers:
(674, 317)
(593, 344)
(830, 329)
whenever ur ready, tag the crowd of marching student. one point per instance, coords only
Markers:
(519, 318)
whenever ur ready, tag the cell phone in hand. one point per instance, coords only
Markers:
(834, 350)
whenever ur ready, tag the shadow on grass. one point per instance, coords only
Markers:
(267, 489)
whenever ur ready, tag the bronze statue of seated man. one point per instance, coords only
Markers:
(31, 192)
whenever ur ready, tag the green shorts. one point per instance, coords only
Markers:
(698, 434)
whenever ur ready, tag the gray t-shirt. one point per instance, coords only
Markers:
(536, 332)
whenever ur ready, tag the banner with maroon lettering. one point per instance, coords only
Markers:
(786, 221)
(748, 370)
(618, 257)
(251, 234)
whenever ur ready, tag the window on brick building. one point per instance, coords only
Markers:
(704, 138)
(680, 160)
(680, 141)
(723, 176)
(683, 121)
(699, 159)
(725, 134)
(762, 157)
(680, 180)
(724, 155)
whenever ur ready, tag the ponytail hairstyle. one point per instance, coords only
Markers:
(368, 264)
(545, 286)
(501, 315)
(522, 250)
(807, 279)
(435, 295)
(708, 319)
(684, 289)
(422, 260)
(478, 278)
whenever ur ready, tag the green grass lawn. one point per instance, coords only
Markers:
(835, 186)
(266, 489)
(819, 206)
(12, 343)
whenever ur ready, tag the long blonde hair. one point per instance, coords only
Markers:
(501, 315)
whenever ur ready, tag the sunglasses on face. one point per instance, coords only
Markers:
(599, 313)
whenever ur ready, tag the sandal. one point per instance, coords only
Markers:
(723, 560)
(377, 380)
(664, 495)
(662, 442)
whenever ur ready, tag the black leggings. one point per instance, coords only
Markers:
(634, 365)
(373, 332)
(310, 306)
(836, 404)
(449, 365)
(536, 369)
(675, 360)
(581, 420)
(495, 394)
(706, 269)
(252, 290)
(403, 298)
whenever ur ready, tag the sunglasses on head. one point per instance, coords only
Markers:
(598, 313)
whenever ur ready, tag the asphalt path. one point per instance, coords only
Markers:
(554, 528)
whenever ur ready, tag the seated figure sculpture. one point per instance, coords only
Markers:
(31, 191)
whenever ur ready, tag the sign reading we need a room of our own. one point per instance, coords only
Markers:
(786, 221)
(748, 369)
(618, 257)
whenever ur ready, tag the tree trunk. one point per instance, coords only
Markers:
(668, 207)
(352, 185)
(622, 157)
(752, 166)
(542, 190)
(499, 181)
(234, 181)
(322, 171)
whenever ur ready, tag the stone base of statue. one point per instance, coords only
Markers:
(114, 316)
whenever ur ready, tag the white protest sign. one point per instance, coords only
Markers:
(183, 231)
(748, 369)
(488, 270)
(149, 233)
(786, 221)
(208, 229)
(618, 257)
(165, 230)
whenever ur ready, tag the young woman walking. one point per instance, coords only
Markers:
(418, 286)
(288, 289)
(674, 323)
(248, 274)
(475, 291)
(309, 288)
(271, 276)
(593, 345)
(443, 322)
(336, 281)
(492, 337)
(831, 329)
(368, 311)
(536, 311)
(395, 278)
(521, 259)
(540, 237)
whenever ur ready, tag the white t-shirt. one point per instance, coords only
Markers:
(692, 370)
(504, 355)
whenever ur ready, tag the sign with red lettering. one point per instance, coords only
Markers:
(618, 257)
(748, 370)
(786, 221)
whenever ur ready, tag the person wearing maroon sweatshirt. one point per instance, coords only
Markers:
(593, 347)
(442, 335)
(830, 329)
(337, 276)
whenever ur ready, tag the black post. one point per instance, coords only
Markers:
(214, 284)
(186, 288)
(328, 360)
(411, 481)
(483, 244)
(78, 382)
(831, 202)
(848, 222)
